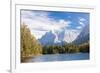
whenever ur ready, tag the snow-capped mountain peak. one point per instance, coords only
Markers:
(70, 36)
(53, 37)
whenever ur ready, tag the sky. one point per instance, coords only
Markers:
(40, 22)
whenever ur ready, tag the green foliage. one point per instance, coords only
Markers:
(66, 48)
(29, 45)
(60, 49)
(71, 48)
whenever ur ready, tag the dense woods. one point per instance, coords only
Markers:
(84, 48)
(66, 48)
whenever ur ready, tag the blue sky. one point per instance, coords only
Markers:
(74, 17)
(41, 22)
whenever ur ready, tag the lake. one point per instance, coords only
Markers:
(58, 57)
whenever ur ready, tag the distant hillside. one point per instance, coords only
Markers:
(83, 37)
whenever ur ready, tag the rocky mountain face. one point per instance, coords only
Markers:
(83, 37)
(65, 36)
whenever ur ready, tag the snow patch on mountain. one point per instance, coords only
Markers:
(70, 35)
(53, 37)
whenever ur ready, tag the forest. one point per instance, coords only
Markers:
(66, 48)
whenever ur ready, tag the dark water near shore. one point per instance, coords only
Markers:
(58, 57)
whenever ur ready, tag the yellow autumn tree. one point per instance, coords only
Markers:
(29, 45)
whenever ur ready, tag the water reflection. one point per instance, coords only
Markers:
(58, 57)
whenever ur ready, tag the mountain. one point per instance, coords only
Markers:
(70, 35)
(48, 38)
(58, 37)
(83, 37)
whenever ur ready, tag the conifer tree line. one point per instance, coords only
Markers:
(66, 48)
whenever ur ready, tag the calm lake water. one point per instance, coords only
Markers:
(58, 57)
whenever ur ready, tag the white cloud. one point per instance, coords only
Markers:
(82, 19)
(79, 27)
(38, 34)
(81, 23)
(33, 14)
(41, 20)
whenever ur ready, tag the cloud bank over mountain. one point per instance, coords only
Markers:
(64, 26)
